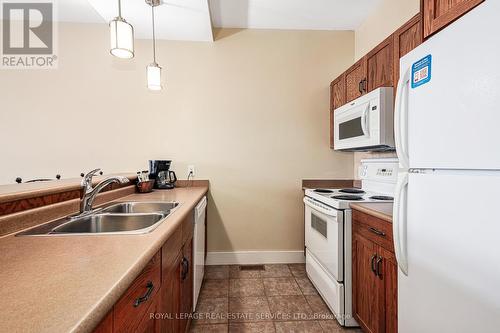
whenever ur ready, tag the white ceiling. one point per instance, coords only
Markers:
(193, 19)
(174, 19)
(77, 11)
(291, 14)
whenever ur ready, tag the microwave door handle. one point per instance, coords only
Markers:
(401, 120)
(364, 121)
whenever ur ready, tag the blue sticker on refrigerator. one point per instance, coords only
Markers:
(421, 72)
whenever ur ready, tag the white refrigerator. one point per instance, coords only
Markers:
(447, 200)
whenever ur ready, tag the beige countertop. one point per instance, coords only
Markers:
(382, 210)
(69, 283)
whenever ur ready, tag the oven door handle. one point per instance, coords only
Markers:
(318, 206)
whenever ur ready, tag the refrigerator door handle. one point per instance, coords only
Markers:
(401, 120)
(399, 222)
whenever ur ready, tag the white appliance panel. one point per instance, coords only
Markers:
(452, 242)
(324, 236)
(365, 123)
(199, 249)
(453, 119)
(331, 291)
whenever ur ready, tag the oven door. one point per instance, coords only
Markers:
(324, 236)
(352, 127)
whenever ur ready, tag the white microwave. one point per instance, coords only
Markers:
(366, 124)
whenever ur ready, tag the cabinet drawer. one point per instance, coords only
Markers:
(374, 229)
(133, 305)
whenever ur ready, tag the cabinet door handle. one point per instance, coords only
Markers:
(146, 296)
(372, 264)
(365, 85)
(377, 232)
(360, 86)
(185, 268)
(379, 267)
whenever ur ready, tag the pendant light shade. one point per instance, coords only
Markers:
(121, 36)
(154, 76)
(153, 70)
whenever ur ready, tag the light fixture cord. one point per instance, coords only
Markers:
(119, 8)
(154, 38)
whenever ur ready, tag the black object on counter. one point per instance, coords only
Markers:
(164, 178)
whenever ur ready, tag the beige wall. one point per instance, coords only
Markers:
(386, 19)
(250, 111)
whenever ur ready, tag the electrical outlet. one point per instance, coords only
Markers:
(191, 170)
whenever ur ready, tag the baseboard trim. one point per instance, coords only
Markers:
(255, 257)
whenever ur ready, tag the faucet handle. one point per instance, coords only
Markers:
(87, 179)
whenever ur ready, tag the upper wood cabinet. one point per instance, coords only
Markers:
(406, 38)
(379, 65)
(337, 99)
(439, 13)
(379, 68)
(355, 80)
(337, 92)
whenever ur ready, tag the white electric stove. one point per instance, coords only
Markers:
(328, 232)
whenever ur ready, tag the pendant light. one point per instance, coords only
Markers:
(153, 70)
(122, 36)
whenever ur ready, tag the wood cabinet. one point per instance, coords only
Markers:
(134, 304)
(149, 323)
(337, 99)
(437, 14)
(366, 286)
(160, 299)
(380, 65)
(186, 287)
(355, 80)
(106, 325)
(374, 274)
(379, 68)
(406, 38)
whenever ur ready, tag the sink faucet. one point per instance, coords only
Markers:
(89, 192)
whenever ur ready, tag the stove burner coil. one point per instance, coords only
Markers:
(352, 190)
(347, 197)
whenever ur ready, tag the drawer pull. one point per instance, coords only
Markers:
(377, 232)
(146, 296)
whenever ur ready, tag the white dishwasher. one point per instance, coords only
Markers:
(199, 248)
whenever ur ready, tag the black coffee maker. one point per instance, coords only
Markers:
(159, 171)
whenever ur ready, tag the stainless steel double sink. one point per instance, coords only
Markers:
(120, 218)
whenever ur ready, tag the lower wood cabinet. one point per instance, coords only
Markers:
(151, 321)
(374, 273)
(130, 309)
(186, 297)
(160, 299)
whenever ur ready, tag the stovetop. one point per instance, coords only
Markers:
(342, 198)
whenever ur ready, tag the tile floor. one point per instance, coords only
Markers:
(278, 299)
